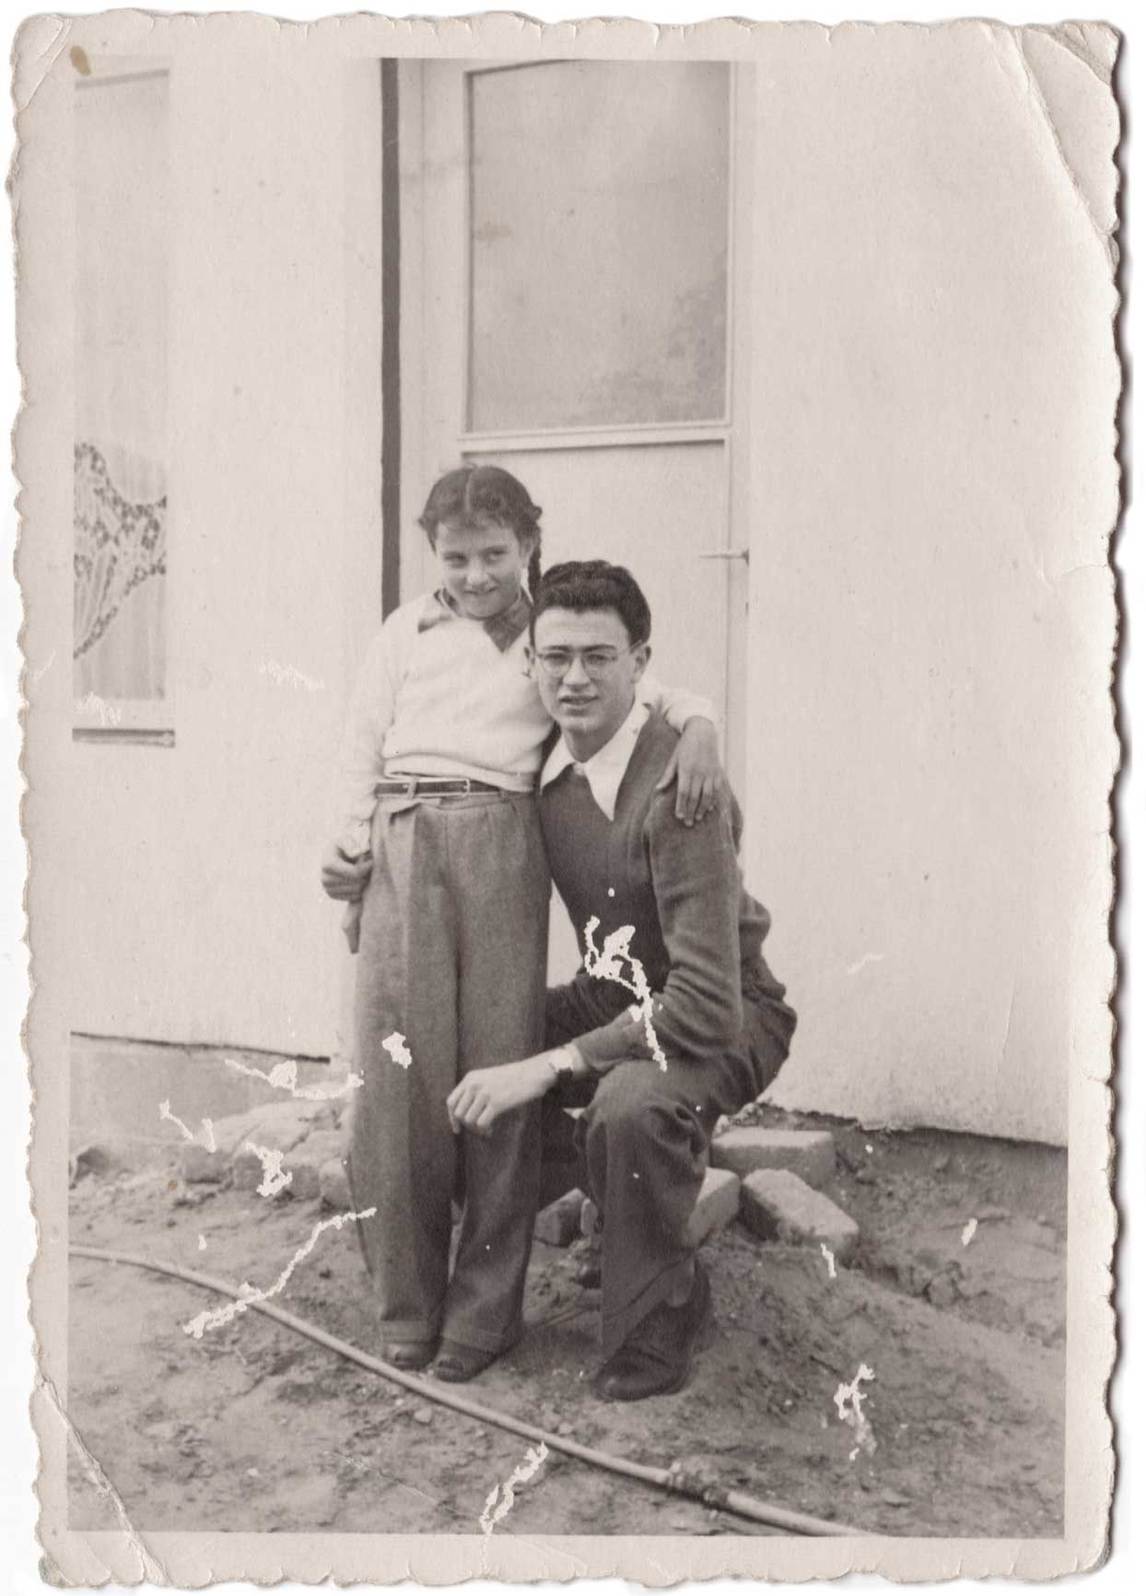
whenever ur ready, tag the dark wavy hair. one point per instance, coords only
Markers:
(594, 585)
(475, 496)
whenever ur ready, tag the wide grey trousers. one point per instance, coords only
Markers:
(452, 956)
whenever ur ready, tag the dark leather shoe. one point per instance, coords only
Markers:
(409, 1355)
(588, 1272)
(657, 1357)
(456, 1363)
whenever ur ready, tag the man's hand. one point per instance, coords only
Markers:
(343, 878)
(696, 768)
(483, 1096)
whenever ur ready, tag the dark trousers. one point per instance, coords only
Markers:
(643, 1146)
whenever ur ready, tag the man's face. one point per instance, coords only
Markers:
(481, 567)
(587, 673)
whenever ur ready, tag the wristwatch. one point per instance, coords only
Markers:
(562, 1063)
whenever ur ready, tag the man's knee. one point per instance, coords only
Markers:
(631, 1102)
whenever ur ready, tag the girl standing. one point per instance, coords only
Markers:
(441, 848)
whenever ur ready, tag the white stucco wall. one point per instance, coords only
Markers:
(930, 742)
(194, 911)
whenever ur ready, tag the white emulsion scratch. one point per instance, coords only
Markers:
(165, 1113)
(969, 1230)
(494, 1510)
(109, 714)
(202, 1242)
(849, 1400)
(395, 1045)
(248, 1296)
(862, 964)
(275, 1177)
(607, 963)
(285, 1077)
(209, 1129)
(830, 1258)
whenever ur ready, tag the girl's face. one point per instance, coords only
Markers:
(482, 567)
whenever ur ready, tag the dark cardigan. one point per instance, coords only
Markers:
(697, 932)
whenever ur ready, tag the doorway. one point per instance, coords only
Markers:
(572, 237)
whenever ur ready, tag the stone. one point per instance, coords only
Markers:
(334, 1185)
(198, 1167)
(228, 1133)
(560, 1223)
(943, 1291)
(716, 1205)
(306, 1161)
(809, 1154)
(246, 1170)
(777, 1205)
(92, 1160)
(285, 1124)
(306, 1182)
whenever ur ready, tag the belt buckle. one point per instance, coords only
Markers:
(412, 787)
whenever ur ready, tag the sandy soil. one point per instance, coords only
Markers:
(252, 1428)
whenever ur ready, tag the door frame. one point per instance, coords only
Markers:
(420, 319)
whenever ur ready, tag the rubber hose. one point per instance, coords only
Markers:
(675, 1480)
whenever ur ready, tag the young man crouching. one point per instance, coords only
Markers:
(718, 1031)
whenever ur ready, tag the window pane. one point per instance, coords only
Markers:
(599, 219)
(121, 389)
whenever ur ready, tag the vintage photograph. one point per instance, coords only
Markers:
(569, 751)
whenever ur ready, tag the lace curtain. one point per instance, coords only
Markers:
(120, 505)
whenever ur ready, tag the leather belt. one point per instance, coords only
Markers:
(432, 787)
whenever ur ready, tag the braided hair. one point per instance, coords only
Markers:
(475, 495)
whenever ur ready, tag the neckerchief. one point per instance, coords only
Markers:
(503, 629)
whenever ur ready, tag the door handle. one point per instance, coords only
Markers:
(725, 554)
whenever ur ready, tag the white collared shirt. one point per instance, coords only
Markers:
(605, 771)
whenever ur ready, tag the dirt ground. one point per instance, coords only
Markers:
(252, 1428)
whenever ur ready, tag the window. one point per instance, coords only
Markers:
(589, 167)
(120, 460)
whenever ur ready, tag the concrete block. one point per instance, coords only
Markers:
(334, 1185)
(809, 1154)
(716, 1206)
(777, 1205)
(560, 1223)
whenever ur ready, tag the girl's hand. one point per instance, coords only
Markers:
(483, 1096)
(342, 878)
(695, 766)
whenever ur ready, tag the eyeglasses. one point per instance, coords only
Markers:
(556, 663)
